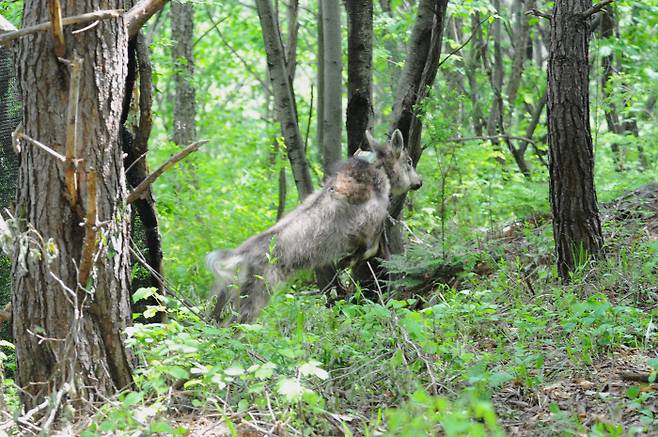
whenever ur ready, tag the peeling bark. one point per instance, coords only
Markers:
(86, 338)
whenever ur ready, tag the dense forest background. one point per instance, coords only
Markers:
(477, 334)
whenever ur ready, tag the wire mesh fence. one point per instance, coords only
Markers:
(10, 113)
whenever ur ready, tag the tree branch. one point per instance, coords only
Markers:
(68, 21)
(57, 29)
(71, 129)
(139, 189)
(596, 8)
(140, 13)
(538, 13)
(491, 137)
(463, 44)
(636, 377)
(42, 146)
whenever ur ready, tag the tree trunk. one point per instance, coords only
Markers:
(69, 338)
(320, 100)
(609, 108)
(359, 73)
(145, 231)
(418, 75)
(182, 31)
(576, 222)
(284, 98)
(333, 85)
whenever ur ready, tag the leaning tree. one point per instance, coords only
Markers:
(71, 264)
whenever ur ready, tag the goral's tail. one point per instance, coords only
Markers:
(224, 265)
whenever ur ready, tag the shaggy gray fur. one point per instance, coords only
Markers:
(345, 219)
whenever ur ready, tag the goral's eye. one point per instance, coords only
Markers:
(410, 161)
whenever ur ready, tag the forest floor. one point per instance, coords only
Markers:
(502, 349)
(574, 359)
(603, 390)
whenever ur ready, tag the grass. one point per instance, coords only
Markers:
(510, 351)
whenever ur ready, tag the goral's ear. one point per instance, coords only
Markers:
(373, 144)
(397, 142)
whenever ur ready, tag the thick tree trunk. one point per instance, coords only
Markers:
(359, 73)
(69, 338)
(333, 85)
(182, 31)
(284, 98)
(576, 222)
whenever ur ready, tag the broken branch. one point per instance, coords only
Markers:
(596, 8)
(21, 135)
(140, 13)
(77, 19)
(57, 29)
(461, 46)
(538, 13)
(636, 377)
(72, 130)
(139, 189)
(492, 137)
(89, 245)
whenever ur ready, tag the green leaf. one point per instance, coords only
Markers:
(144, 293)
(162, 427)
(291, 388)
(311, 368)
(265, 371)
(633, 392)
(178, 372)
(234, 371)
(133, 398)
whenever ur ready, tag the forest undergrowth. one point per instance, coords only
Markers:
(500, 348)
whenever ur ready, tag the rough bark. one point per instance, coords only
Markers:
(422, 49)
(284, 98)
(333, 85)
(360, 114)
(83, 328)
(182, 30)
(576, 222)
(145, 232)
(421, 66)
